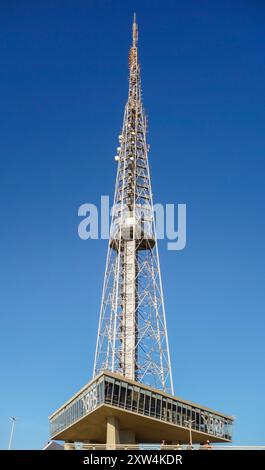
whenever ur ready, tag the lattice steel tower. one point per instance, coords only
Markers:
(132, 336)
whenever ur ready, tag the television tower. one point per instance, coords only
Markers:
(132, 336)
(130, 399)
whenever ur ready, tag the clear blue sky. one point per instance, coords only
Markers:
(63, 85)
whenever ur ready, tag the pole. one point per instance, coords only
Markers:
(190, 436)
(189, 422)
(13, 419)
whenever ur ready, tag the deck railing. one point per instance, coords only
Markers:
(165, 447)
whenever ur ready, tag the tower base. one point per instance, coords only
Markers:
(113, 410)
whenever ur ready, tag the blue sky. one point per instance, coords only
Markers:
(63, 85)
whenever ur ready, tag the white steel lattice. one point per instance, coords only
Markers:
(132, 335)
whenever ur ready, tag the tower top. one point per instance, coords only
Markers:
(135, 31)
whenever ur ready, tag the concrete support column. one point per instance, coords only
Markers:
(113, 432)
(68, 445)
(129, 291)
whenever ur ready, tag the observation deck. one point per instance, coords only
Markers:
(135, 413)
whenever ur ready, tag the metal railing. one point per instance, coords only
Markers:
(166, 447)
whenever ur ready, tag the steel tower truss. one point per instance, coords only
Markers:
(132, 335)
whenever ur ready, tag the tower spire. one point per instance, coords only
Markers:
(135, 31)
